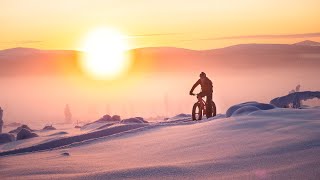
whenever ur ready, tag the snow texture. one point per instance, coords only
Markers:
(49, 128)
(17, 130)
(103, 122)
(294, 98)
(74, 139)
(58, 133)
(6, 137)
(134, 120)
(116, 118)
(247, 108)
(256, 141)
(13, 124)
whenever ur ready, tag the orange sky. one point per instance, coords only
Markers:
(62, 24)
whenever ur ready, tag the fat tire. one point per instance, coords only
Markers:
(196, 107)
(211, 111)
(214, 109)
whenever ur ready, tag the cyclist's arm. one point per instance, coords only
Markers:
(194, 86)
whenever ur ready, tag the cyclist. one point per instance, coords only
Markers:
(206, 90)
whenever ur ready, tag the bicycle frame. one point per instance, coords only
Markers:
(202, 103)
(201, 106)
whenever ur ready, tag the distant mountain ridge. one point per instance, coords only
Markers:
(307, 43)
(19, 61)
(31, 61)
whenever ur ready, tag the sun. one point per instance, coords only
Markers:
(105, 54)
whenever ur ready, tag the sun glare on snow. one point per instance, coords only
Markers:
(105, 54)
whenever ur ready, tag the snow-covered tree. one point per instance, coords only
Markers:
(67, 114)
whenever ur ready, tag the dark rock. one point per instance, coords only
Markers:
(19, 128)
(25, 134)
(6, 137)
(49, 128)
(134, 120)
(65, 154)
(116, 118)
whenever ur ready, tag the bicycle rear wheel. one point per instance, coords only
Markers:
(196, 112)
(214, 109)
(211, 110)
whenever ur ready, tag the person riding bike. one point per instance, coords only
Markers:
(206, 90)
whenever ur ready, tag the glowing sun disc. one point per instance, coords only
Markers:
(105, 54)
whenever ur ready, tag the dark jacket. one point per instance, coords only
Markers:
(206, 86)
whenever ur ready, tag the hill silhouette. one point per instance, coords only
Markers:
(28, 61)
(308, 43)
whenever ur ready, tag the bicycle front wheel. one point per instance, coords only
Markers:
(196, 112)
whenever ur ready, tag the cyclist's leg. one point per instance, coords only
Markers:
(200, 100)
(200, 96)
(209, 104)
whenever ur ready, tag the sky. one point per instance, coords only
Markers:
(201, 24)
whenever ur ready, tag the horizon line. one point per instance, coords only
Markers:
(142, 47)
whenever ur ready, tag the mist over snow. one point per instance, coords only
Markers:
(251, 141)
(157, 84)
(141, 127)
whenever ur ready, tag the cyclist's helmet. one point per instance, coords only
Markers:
(202, 74)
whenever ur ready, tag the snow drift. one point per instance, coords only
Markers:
(134, 120)
(6, 137)
(49, 127)
(25, 134)
(294, 99)
(247, 108)
(255, 141)
(17, 130)
(64, 141)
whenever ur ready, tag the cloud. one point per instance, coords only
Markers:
(278, 36)
(29, 42)
(22, 42)
(270, 36)
(266, 36)
(153, 35)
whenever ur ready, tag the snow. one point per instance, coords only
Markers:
(25, 134)
(103, 122)
(134, 120)
(307, 43)
(255, 141)
(6, 137)
(49, 128)
(294, 98)
(247, 108)
(17, 130)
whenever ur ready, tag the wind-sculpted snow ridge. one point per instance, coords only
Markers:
(74, 139)
(294, 99)
(58, 133)
(278, 143)
(247, 108)
(187, 119)
(103, 122)
(134, 120)
(19, 128)
(180, 117)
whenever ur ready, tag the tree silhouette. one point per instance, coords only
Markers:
(67, 114)
(1, 121)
